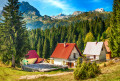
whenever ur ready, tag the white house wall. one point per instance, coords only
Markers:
(72, 54)
(59, 61)
(92, 57)
(103, 54)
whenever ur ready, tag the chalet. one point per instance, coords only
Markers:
(95, 51)
(31, 54)
(66, 54)
(33, 57)
(108, 55)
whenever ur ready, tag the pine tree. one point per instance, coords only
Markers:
(38, 47)
(89, 38)
(46, 49)
(114, 38)
(14, 30)
(80, 43)
(52, 43)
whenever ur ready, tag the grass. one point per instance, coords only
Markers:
(109, 73)
(13, 74)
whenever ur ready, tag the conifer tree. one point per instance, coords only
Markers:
(89, 38)
(44, 49)
(114, 38)
(38, 47)
(80, 43)
(14, 32)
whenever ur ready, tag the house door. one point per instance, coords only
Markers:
(94, 56)
(70, 64)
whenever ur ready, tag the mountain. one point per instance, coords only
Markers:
(34, 20)
(26, 8)
(77, 13)
(60, 16)
(99, 10)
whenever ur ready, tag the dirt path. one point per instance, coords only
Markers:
(40, 75)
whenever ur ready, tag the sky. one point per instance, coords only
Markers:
(54, 7)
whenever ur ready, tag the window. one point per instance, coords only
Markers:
(102, 48)
(74, 55)
(94, 57)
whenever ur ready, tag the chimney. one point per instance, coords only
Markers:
(96, 42)
(64, 44)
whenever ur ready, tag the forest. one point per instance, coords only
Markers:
(79, 33)
(16, 40)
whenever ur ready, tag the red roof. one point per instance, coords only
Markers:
(106, 46)
(39, 60)
(64, 52)
(32, 54)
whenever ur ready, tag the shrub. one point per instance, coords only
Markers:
(80, 72)
(91, 74)
(110, 62)
(104, 64)
(86, 70)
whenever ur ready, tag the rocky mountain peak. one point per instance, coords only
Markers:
(77, 13)
(99, 10)
(61, 14)
(26, 8)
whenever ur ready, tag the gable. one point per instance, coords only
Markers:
(32, 54)
(93, 48)
(103, 50)
(76, 52)
(63, 52)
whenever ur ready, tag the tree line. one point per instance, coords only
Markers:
(45, 41)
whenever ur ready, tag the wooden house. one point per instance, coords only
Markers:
(66, 54)
(33, 57)
(108, 54)
(95, 51)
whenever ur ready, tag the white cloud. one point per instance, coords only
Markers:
(66, 8)
(96, 1)
(58, 3)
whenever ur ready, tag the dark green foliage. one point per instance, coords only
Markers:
(114, 37)
(78, 32)
(86, 70)
(89, 38)
(104, 64)
(80, 42)
(13, 34)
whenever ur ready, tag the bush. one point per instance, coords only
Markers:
(86, 70)
(91, 74)
(110, 62)
(104, 64)
(80, 73)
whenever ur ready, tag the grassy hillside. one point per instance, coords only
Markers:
(10, 74)
(109, 73)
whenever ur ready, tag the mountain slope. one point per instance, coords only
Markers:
(26, 8)
(34, 20)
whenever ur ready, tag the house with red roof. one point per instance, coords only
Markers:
(33, 54)
(66, 54)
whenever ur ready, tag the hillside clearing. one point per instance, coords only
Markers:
(10, 74)
(109, 73)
